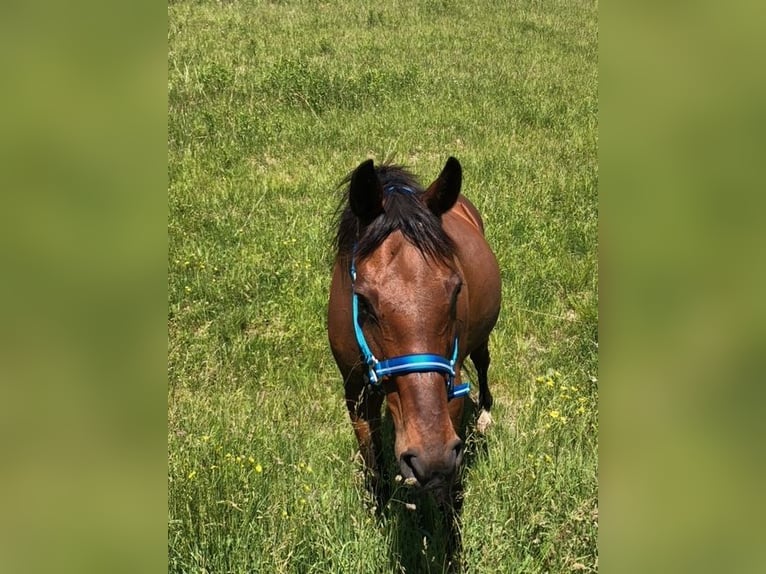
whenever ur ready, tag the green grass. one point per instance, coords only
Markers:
(270, 105)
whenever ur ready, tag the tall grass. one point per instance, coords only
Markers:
(270, 105)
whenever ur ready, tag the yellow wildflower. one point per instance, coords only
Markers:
(258, 468)
(192, 474)
(554, 414)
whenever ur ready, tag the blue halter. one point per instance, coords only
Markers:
(404, 364)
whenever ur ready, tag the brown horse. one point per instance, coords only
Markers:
(415, 290)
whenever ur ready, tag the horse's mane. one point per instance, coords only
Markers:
(402, 211)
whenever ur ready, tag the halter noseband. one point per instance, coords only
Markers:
(403, 364)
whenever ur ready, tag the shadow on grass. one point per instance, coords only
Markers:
(424, 528)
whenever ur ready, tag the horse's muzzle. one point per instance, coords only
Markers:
(429, 468)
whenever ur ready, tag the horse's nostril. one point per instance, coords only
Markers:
(410, 466)
(425, 468)
(456, 453)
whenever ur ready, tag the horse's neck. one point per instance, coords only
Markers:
(461, 210)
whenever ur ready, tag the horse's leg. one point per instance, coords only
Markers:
(481, 360)
(364, 411)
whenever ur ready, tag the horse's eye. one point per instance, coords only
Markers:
(453, 302)
(456, 293)
(365, 309)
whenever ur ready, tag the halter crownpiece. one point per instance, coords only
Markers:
(403, 364)
(389, 189)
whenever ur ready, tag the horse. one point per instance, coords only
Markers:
(415, 290)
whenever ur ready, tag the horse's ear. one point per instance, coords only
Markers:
(442, 194)
(365, 194)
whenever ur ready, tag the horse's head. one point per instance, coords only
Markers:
(406, 287)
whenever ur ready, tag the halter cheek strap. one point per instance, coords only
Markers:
(404, 364)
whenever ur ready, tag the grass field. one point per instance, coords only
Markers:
(270, 105)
